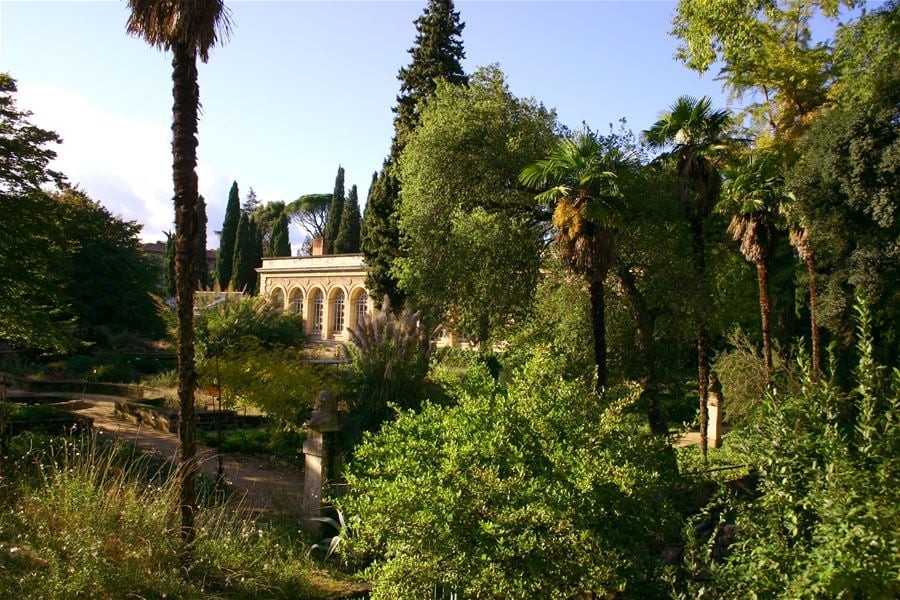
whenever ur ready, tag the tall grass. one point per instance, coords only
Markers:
(88, 519)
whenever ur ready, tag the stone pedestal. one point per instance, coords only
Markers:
(321, 431)
(715, 405)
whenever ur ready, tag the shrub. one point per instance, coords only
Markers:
(547, 491)
(827, 522)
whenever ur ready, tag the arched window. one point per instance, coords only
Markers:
(362, 307)
(318, 317)
(295, 304)
(277, 299)
(338, 321)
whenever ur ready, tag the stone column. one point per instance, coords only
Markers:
(715, 405)
(321, 432)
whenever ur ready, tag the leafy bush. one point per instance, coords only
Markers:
(827, 522)
(225, 325)
(547, 491)
(277, 381)
(275, 441)
(742, 373)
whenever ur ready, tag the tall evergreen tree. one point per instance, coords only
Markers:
(348, 234)
(202, 267)
(227, 239)
(169, 266)
(333, 224)
(362, 222)
(244, 277)
(279, 240)
(251, 203)
(437, 53)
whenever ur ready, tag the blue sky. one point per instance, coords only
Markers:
(304, 86)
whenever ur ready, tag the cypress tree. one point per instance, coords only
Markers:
(227, 240)
(348, 235)
(333, 224)
(243, 276)
(169, 266)
(362, 223)
(279, 241)
(202, 267)
(437, 53)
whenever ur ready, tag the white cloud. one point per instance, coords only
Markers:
(121, 161)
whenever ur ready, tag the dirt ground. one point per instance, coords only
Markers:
(263, 486)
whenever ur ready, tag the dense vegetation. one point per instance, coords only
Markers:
(607, 284)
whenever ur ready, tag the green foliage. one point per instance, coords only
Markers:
(275, 441)
(202, 267)
(471, 244)
(390, 356)
(246, 251)
(436, 55)
(310, 211)
(276, 380)
(742, 372)
(24, 155)
(109, 278)
(251, 349)
(169, 266)
(279, 240)
(30, 242)
(335, 212)
(765, 48)
(225, 325)
(827, 521)
(85, 519)
(846, 187)
(228, 238)
(32, 307)
(545, 491)
(347, 240)
(381, 242)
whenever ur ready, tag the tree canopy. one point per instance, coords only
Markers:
(471, 243)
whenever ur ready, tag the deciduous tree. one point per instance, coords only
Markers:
(472, 246)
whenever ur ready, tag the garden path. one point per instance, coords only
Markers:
(262, 485)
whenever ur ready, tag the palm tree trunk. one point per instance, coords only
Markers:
(184, 161)
(644, 324)
(598, 324)
(813, 324)
(765, 310)
(698, 244)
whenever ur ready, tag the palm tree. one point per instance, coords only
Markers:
(697, 136)
(799, 236)
(188, 28)
(754, 196)
(578, 181)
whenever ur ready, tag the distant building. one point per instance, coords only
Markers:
(157, 252)
(329, 291)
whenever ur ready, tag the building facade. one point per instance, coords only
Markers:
(329, 291)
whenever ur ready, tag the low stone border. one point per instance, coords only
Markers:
(165, 419)
(74, 387)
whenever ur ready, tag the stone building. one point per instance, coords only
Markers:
(329, 291)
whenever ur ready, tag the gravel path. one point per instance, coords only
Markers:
(265, 486)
